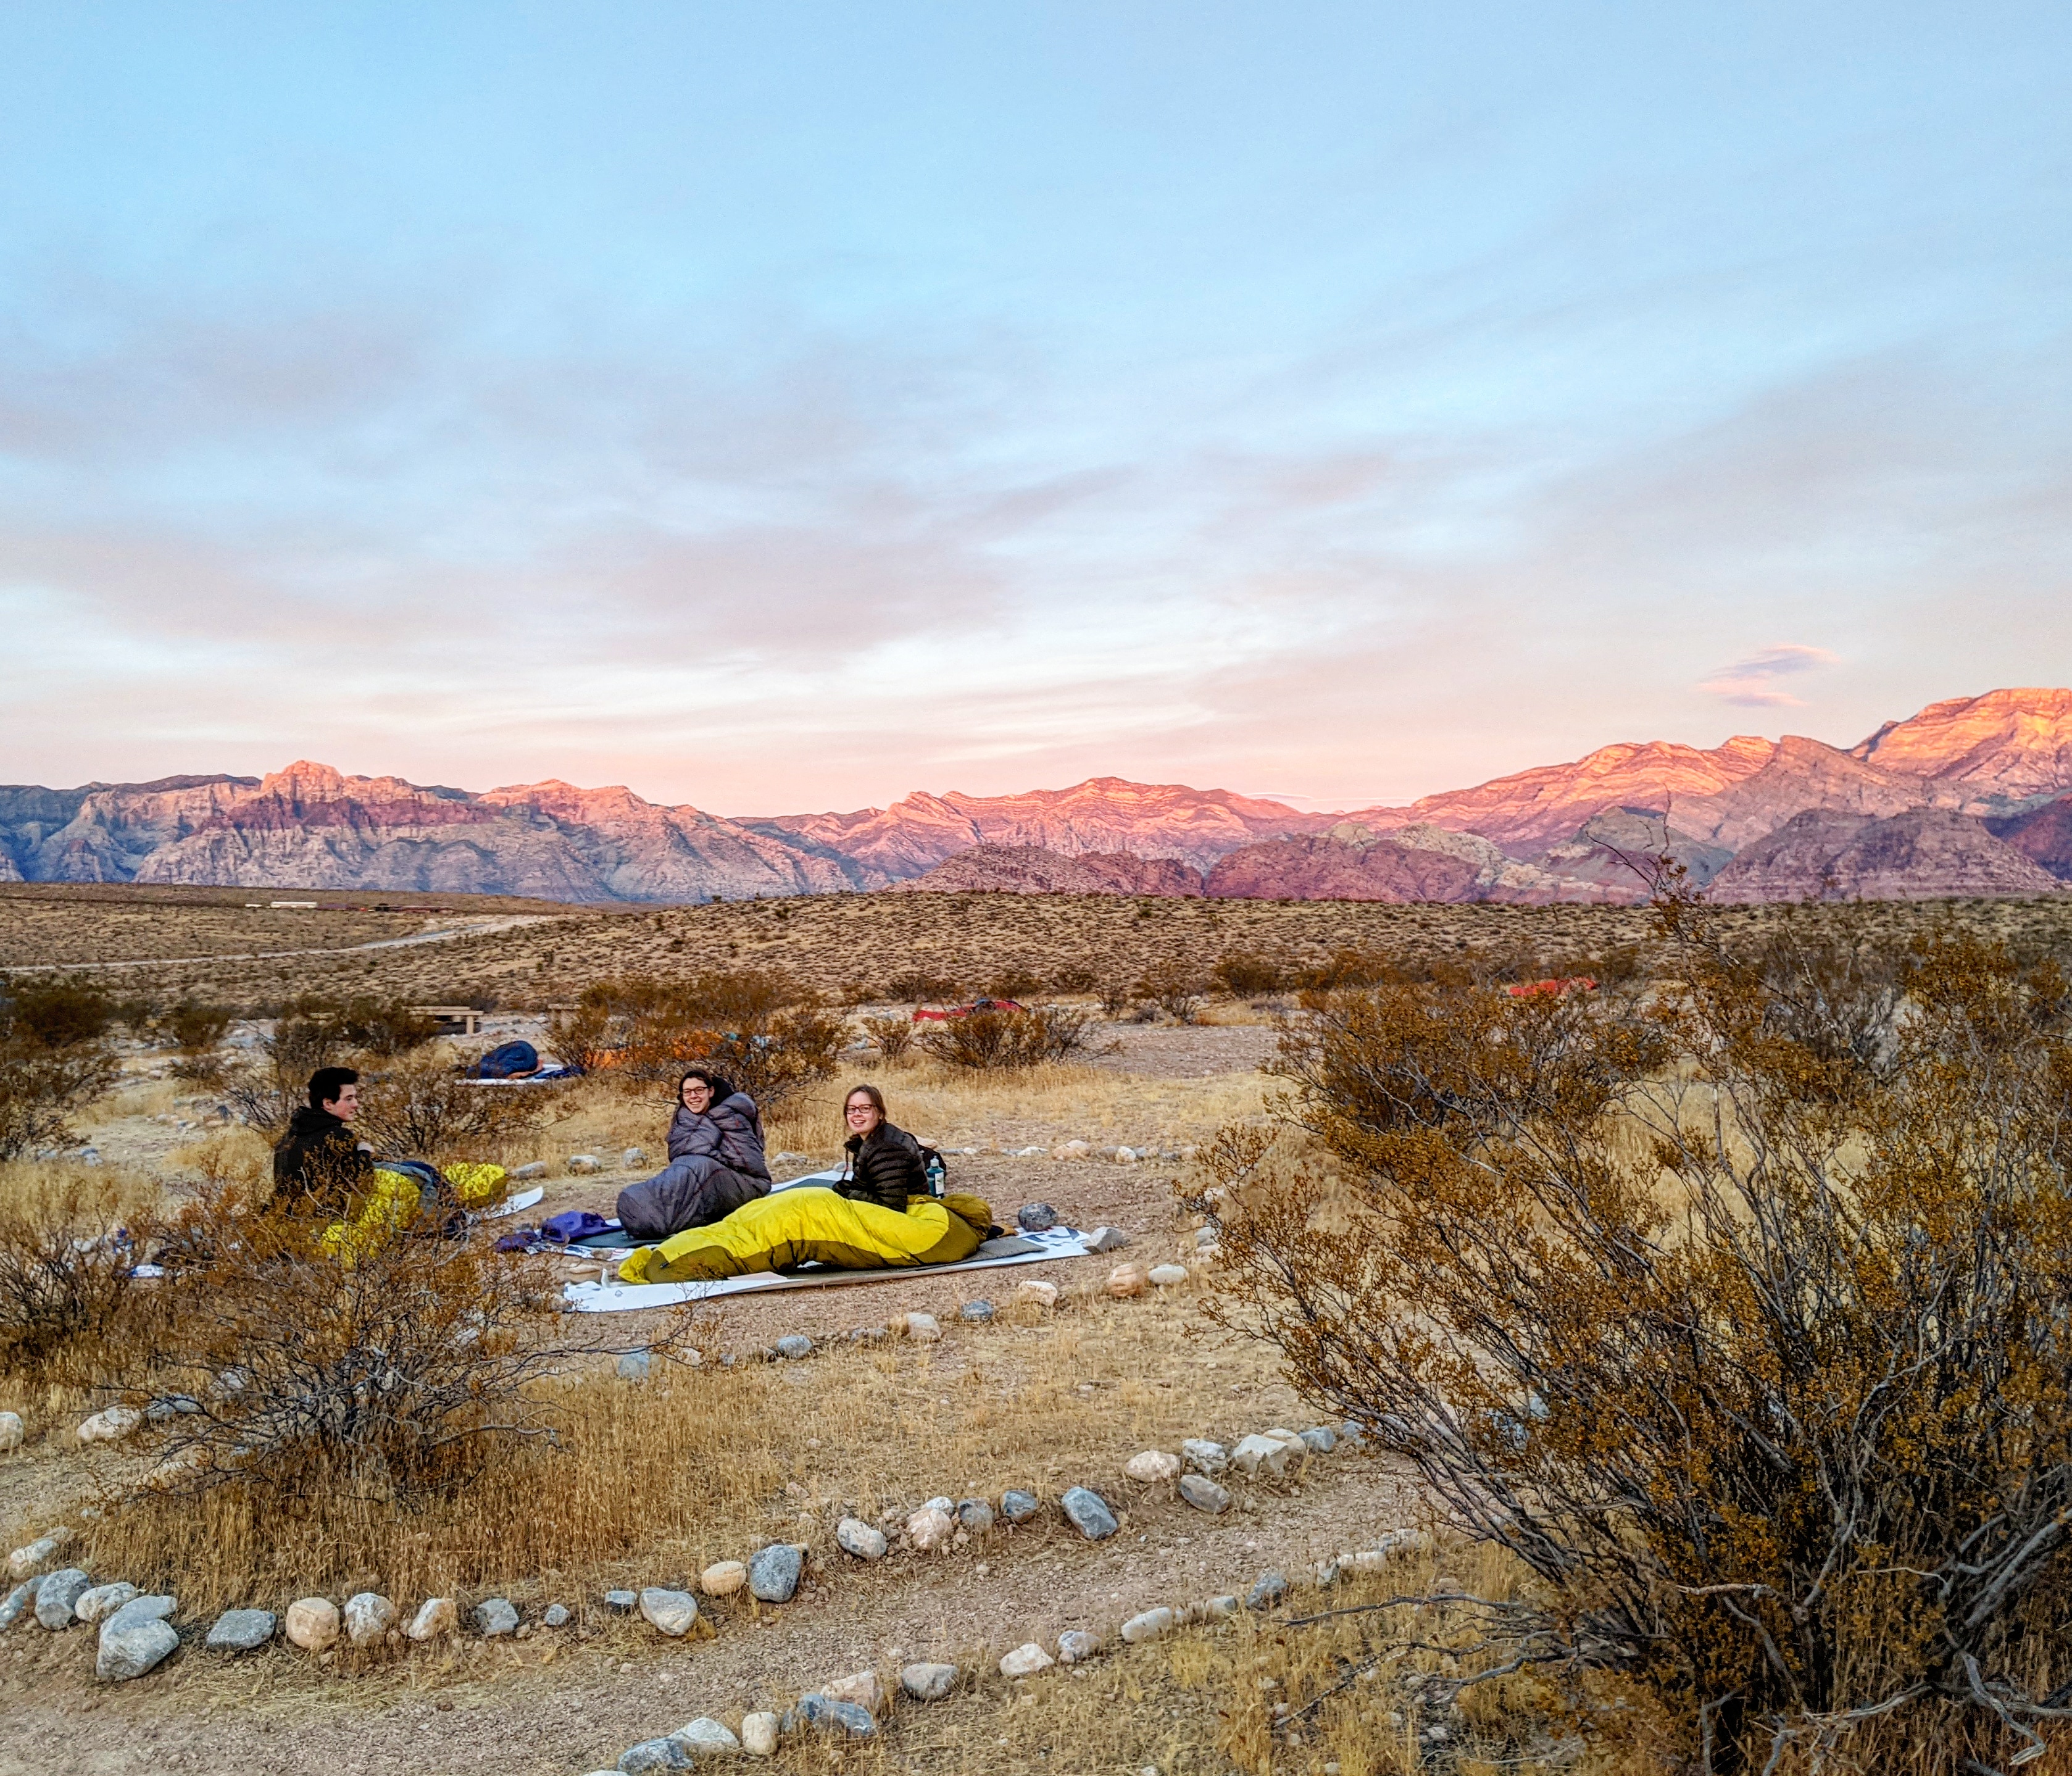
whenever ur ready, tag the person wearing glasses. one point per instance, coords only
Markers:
(716, 1161)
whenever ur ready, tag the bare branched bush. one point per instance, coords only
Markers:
(1175, 988)
(53, 1061)
(893, 1036)
(421, 1107)
(1115, 994)
(917, 987)
(67, 1244)
(1248, 974)
(1748, 1335)
(996, 1041)
(766, 1032)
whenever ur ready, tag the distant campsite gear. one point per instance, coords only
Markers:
(507, 1061)
(923, 1016)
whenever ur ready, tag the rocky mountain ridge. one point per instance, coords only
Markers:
(1996, 769)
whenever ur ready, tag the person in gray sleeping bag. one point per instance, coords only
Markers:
(716, 1161)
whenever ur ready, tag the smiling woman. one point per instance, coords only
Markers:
(1253, 402)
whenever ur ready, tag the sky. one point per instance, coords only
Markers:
(779, 407)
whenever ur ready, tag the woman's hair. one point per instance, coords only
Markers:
(721, 1087)
(870, 1092)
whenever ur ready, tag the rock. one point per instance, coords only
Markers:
(1073, 1149)
(943, 1502)
(1205, 1237)
(1254, 1453)
(435, 1616)
(1089, 1514)
(759, 1734)
(675, 1613)
(1148, 1625)
(1150, 1464)
(794, 1345)
(1266, 1590)
(855, 1536)
(1204, 1457)
(168, 1407)
(17, 1603)
(1035, 1218)
(557, 1616)
(1126, 1281)
(1320, 1440)
(1125, 1156)
(827, 1715)
(111, 1425)
(11, 1432)
(581, 1163)
(723, 1578)
(1027, 1660)
(1294, 1443)
(1203, 1493)
(1218, 1609)
(773, 1571)
(1018, 1507)
(621, 1602)
(312, 1624)
(927, 1683)
(496, 1618)
(34, 1557)
(631, 1158)
(860, 1687)
(1167, 1276)
(929, 1527)
(57, 1595)
(149, 1608)
(975, 1313)
(1076, 1646)
(241, 1632)
(975, 1516)
(921, 1328)
(131, 1645)
(368, 1616)
(707, 1737)
(636, 1366)
(536, 1169)
(1107, 1240)
(103, 1599)
(1037, 1293)
(654, 1753)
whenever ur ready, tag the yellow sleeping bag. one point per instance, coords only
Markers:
(793, 1227)
(394, 1199)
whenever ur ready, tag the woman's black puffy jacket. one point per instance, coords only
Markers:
(884, 1167)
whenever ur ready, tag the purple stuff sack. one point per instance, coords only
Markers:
(572, 1224)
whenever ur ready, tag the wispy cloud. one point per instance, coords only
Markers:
(1752, 682)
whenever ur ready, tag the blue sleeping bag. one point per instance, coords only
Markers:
(507, 1061)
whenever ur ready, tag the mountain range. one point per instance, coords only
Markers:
(1970, 796)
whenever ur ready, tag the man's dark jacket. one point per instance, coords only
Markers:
(318, 1166)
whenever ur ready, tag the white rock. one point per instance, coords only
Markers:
(921, 1327)
(1107, 1240)
(708, 1737)
(1152, 1464)
(858, 1538)
(1292, 1439)
(103, 1599)
(131, 1646)
(368, 1616)
(1166, 1276)
(311, 1624)
(631, 1158)
(1076, 1646)
(1125, 1156)
(1148, 1625)
(759, 1734)
(34, 1557)
(1072, 1149)
(1205, 1457)
(929, 1527)
(723, 1578)
(1027, 1660)
(11, 1432)
(1255, 1453)
(585, 1162)
(675, 1613)
(927, 1683)
(1037, 1293)
(860, 1687)
(435, 1616)
(111, 1425)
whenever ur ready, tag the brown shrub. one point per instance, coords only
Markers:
(1745, 1335)
(1175, 988)
(1248, 974)
(67, 1244)
(424, 1107)
(893, 1036)
(994, 1040)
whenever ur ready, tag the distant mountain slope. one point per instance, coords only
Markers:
(2007, 746)
(1025, 869)
(2043, 834)
(1926, 854)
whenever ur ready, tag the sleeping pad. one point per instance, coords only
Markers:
(810, 1225)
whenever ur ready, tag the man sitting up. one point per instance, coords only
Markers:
(318, 1168)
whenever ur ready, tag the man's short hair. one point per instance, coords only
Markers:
(328, 1082)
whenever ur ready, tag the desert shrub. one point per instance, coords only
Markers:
(1115, 994)
(55, 1013)
(1175, 988)
(197, 1030)
(995, 1041)
(40, 1087)
(1248, 974)
(265, 1090)
(1017, 981)
(893, 1036)
(765, 1031)
(1753, 1352)
(1074, 977)
(1348, 967)
(917, 986)
(67, 1243)
(422, 1108)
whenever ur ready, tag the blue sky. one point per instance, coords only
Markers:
(778, 407)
